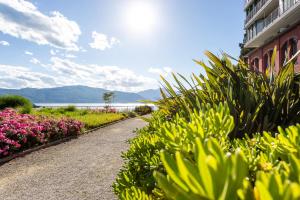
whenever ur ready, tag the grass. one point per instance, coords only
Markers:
(91, 119)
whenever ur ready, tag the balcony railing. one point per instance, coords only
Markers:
(254, 30)
(287, 4)
(255, 9)
(247, 2)
(271, 17)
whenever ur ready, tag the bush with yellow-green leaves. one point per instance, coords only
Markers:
(203, 144)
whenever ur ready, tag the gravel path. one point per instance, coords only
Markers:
(83, 168)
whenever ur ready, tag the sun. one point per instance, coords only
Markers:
(141, 17)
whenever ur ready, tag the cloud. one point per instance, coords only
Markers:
(53, 52)
(4, 43)
(28, 53)
(35, 61)
(70, 56)
(165, 71)
(22, 19)
(21, 77)
(102, 41)
(108, 77)
(62, 72)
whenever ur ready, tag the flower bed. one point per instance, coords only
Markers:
(22, 131)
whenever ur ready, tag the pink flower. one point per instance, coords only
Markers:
(27, 130)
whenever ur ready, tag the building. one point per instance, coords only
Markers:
(271, 23)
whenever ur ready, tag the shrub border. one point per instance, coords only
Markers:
(56, 142)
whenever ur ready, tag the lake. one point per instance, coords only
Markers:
(117, 106)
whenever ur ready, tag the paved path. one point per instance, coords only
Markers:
(83, 168)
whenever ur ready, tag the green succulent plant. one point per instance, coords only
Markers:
(232, 134)
(257, 101)
(210, 175)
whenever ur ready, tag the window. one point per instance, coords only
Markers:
(255, 64)
(288, 50)
(266, 62)
(252, 65)
(259, 26)
(293, 47)
(284, 53)
(270, 56)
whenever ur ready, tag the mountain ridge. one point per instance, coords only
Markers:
(79, 94)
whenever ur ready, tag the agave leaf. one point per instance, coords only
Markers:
(168, 87)
(262, 191)
(213, 58)
(293, 58)
(207, 180)
(189, 174)
(171, 189)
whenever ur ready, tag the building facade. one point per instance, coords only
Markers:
(271, 23)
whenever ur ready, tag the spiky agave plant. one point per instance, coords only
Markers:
(257, 101)
(214, 173)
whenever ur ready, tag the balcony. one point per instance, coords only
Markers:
(256, 8)
(274, 23)
(248, 3)
(262, 8)
(271, 17)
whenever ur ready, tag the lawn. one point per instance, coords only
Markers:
(91, 119)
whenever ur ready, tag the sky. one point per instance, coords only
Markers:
(113, 44)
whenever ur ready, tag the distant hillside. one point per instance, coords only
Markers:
(150, 94)
(78, 94)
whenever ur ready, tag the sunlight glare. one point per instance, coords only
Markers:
(141, 17)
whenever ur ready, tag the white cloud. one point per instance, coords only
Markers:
(21, 77)
(53, 52)
(35, 61)
(22, 19)
(108, 77)
(165, 71)
(102, 41)
(62, 71)
(83, 50)
(70, 56)
(4, 43)
(28, 53)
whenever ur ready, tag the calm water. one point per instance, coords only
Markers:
(118, 106)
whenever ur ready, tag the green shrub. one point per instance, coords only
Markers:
(143, 158)
(217, 173)
(199, 161)
(143, 110)
(257, 101)
(13, 101)
(231, 135)
(131, 114)
(210, 174)
(70, 108)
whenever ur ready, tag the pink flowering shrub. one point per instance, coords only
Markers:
(23, 131)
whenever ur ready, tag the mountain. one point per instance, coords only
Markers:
(78, 94)
(150, 94)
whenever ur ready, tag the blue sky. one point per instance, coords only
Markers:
(113, 44)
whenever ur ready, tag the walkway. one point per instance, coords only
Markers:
(83, 168)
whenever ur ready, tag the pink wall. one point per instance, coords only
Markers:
(279, 42)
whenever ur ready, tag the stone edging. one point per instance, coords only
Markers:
(28, 151)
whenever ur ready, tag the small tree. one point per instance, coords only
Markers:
(108, 98)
